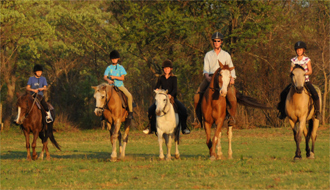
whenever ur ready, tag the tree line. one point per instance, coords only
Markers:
(72, 41)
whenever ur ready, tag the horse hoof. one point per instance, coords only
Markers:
(177, 156)
(297, 158)
(230, 157)
(161, 158)
(212, 158)
(168, 159)
(48, 158)
(113, 159)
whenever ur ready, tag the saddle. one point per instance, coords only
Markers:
(174, 105)
(122, 96)
(38, 103)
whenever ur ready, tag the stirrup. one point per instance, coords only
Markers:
(186, 131)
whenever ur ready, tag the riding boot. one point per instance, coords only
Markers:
(130, 115)
(183, 120)
(49, 118)
(281, 104)
(151, 128)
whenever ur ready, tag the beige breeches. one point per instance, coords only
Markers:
(129, 98)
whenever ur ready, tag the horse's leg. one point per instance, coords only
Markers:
(208, 136)
(216, 139)
(42, 137)
(298, 132)
(316, 124)
(114, 140)
(120, 144)
(160, 141)
(168, 141)
(307, 133)
(125, 138)
(177, 139)
(34, 145)
(230, 136)
(219, 149)
(27, 144)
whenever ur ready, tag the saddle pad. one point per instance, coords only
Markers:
(122, 97)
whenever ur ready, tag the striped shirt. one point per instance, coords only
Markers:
(303, 62)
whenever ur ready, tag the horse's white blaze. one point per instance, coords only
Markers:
(18, 114)
(225, 82)
(100, 101)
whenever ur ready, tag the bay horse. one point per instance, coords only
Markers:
(109, 103)
(299, 108)
(212, 108)
(167, 124)
(30, 119)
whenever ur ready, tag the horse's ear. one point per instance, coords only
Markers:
(220, 64)
(156, 91)
(166, 91)
(231, 68)
(94, 87)
(104, 87)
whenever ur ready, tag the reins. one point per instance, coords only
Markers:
(34, 101)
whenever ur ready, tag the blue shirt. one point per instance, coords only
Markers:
(115, 70)
(36, 83)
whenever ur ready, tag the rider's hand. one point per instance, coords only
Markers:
(110, 81)
(112, 77)
(36, 91)
(208, 78)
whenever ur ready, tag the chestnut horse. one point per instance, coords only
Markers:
(299, 108)
(109, 104)
(213, 109)
(30, 119)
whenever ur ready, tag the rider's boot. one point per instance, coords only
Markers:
(49, 118)
(130, 115)
(317, 109)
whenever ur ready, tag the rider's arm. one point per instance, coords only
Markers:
(108, 80)
(28, 87)
(309, 67)
(122, 77)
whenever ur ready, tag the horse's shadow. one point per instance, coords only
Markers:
(100, 156)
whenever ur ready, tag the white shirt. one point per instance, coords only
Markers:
(211, 63)
(303, 62)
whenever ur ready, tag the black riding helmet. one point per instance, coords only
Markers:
(114, 54)
(217, 35)
(299, 44)
(37, 67)
(167, 63)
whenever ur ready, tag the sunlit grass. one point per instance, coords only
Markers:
(262, 158)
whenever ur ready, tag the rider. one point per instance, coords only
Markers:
(211, 64)
(36, 85)
(168, 81)
(115, 75)
(304, 61)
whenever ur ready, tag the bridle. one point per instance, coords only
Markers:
(105, 106)
(34, 101)
(220, 87)
(166, 103)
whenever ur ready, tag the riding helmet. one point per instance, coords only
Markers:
(37, 67)
(299, 44)
(114, 54)
(167, 63)
(217, 35)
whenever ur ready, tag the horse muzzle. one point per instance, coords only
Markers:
(158, 112)
(223, 93)
(98, 111)
(299, 89)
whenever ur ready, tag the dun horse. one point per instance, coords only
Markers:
(213, 109)
(299, 108)
(167, 123)
(109, 103)
(30, 119)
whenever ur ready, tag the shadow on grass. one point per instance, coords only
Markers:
(88, 155)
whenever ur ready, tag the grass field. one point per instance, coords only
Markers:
(262, 159)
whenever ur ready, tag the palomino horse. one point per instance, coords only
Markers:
(213, 109)
(30, 120)
(299, 108)
(167, 122)
(109, 104)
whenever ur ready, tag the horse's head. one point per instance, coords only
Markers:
(298, 78)
(222, 78)
(101, 97)
(23, 105)
(161, 101)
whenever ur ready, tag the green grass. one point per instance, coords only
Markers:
(263, 158)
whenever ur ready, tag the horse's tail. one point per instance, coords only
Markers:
(249, 101)
(49, 133)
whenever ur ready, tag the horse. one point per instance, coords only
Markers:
(212, 107)
(167, 124)
(299, 108)
(30, 119)
(109, 103)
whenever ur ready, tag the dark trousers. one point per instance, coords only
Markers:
(182, 111)
(43, 102)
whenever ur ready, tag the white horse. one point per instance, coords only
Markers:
(299, 109)
(167, 123)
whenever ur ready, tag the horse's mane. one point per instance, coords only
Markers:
(298, 67)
